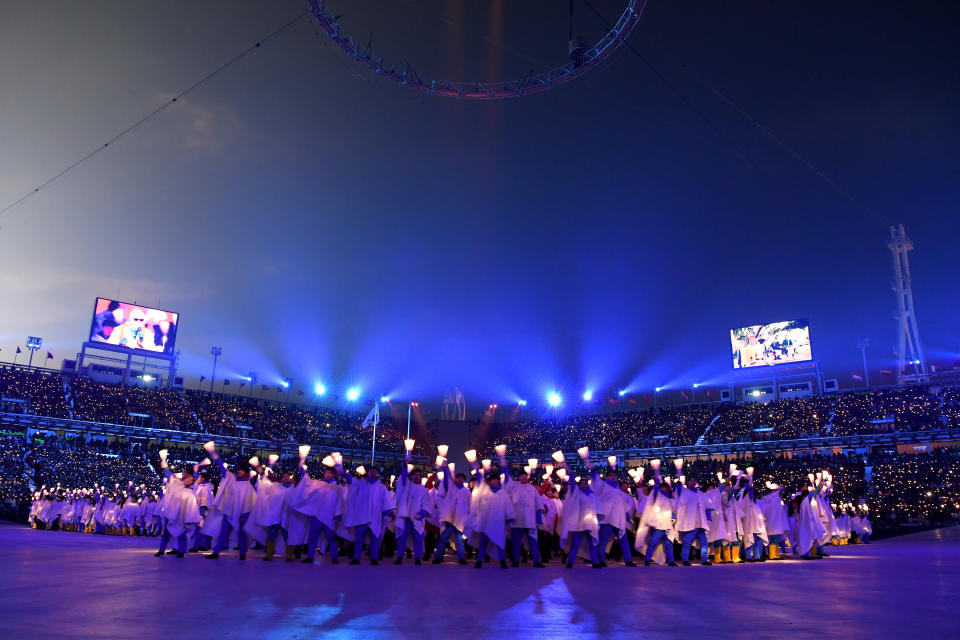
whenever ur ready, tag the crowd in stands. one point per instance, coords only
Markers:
(46, 393)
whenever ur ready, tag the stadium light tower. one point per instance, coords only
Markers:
(33, 343)
(287, 383)
(216, 352)
(909, 350)
(252, 379)
(353, 393)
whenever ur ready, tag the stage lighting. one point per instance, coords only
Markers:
(588, 395)
(522, 403)
(658, 389)
(353, 393)
(554, 399)
(384, 398)
(696, 385)
(622, 392)
(320, 389)
(285, 383)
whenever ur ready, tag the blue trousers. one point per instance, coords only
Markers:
(409, 530)
(360, 536)
(755, 550)
(273, 530)
(485, 546)
(180, 545)
(700, 535)
(316, 528)
(608, 531)
(449, 530)
(575, 546)
(516, 541)
(200, 540)
(223, 540)
(659, 537)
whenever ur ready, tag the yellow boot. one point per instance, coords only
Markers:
(735, 553)
(288, 553)
(271, 548)
(726, 553)
(773, 551)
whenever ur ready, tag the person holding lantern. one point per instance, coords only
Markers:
(364, 518)
(617, 507)
(178, 508)
(453, 507)
(231, 506)
(491, 512)
(413, 507)
(526, 506)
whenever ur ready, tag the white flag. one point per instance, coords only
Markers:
(373, 418)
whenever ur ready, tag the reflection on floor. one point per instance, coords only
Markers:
(67, 585)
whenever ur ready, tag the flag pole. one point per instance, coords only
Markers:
(409, 409)
(373, 445)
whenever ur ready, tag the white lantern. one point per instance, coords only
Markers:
(612, 461)
(337, 457)
(210, 446)
(439, 461)
(533, 462)
(328, 461)
(548, 468)
(254, 461)
(678, 464)
(273, 459)
(486, 464)
(733, 467)
(655, 464)
(526, 469)
(442, 449)
(361, 470)
(470, 455)
(584, 452)
(304, 450)
(409, 467)
(501, 450)
(163, 455)
(750, 471)
(557, 456)
(408, 444)
(205, 462)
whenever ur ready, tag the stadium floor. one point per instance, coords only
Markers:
(67, 585)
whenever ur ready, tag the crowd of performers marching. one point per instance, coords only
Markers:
(728, 520)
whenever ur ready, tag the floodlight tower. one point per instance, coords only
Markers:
(216, 352)
(33, 343)
(909, 351)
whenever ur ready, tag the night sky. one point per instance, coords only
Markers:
(321, 223)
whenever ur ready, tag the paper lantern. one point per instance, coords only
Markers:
(423, 481)
(203, 463)
(328, 461)
(810, 477)
(683, 479)
(501, 450)
(548, 468)
(163, 455)
(733, 467)
(750, 471)
(442, 449)
(254, 461)
(667, 480)
(272, 458)
(546, 476)
(612, 461)
(486, 463)
(557, 456)
(439, 461)
(451, 466)
(583, 452)
(210, 446)
(304, 450)
(408, 444)
(337, 457)
(470, 455)
(720, 476)
(526, 469)
(179, 475)
(533, 462)
(409, 467)
(361, 470)
(392, 478)
(577, 479)
(440, 475)
(655, 464)
(562, 473)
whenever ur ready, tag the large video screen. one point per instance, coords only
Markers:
(133, 326)
(768, 344)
